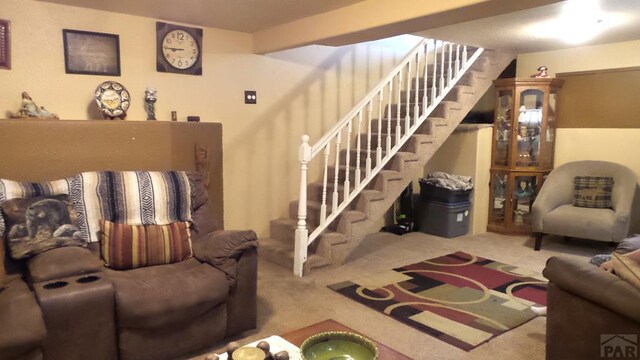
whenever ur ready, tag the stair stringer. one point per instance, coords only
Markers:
(337, 242)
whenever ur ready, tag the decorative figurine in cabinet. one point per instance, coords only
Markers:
(522, 150)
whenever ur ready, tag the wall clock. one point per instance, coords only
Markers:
(179, 49)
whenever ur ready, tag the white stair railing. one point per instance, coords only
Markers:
(440, 64)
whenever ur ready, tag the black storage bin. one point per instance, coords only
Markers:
(443, 219)
(429, 192)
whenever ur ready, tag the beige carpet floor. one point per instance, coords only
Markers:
(286, 303)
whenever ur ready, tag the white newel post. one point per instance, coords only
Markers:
(302, 234)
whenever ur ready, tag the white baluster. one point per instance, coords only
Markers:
(464, 55)
(398, 106)
(368, 161)
(334, 206)
(425, 98)
(450, 71)
(389, 118)
(358, 149)
(407, 116)
(416, 109)
(435, 70)
(347, 182)
(379, 148)
(457, 67)
(323, 206)
(302, 234)
(441, 89)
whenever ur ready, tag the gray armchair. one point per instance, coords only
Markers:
(553, 212)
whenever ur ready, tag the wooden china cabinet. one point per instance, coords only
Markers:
(522, 151)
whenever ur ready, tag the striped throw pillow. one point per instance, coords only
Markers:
(592, 191)
(132, 246)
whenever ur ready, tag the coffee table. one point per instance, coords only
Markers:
(298, 336)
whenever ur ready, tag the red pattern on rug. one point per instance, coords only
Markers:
(446, 297)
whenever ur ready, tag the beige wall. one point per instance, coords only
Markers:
(297, 93)
(607, 56)
(468, 153)
(600, 144)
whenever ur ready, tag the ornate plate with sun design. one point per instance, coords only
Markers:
(113, 99)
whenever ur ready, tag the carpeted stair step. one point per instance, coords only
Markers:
(327, 243)
(424, 138)
(446, 109)
(417, 142)
(313, 212)
(430, 126)
(383, 179)
(392, 123)
(374, 143)
(281, 253)
(314, 190)
(366, 198)
(284, 229)
(400, 160)
(395, 164)
(353, 153)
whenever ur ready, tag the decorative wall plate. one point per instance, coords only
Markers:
(113, 99)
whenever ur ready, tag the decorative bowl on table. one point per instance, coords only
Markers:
(338, 345)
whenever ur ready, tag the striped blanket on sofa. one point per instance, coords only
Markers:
(131, 197)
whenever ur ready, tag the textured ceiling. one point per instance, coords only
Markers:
(521, 31)
(238, 15)
(533, 30)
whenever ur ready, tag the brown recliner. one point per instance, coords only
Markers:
(22, 329)
(587, 307)
(157, 312)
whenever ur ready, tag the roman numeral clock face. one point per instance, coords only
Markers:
(179, 49)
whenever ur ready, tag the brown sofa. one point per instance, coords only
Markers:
(587, 308)
(156, 312)
(64, 304)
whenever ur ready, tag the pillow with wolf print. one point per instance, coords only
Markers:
(38, 224)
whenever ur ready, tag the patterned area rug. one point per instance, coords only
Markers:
(461, 299)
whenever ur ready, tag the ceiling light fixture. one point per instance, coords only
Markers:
(579, 22)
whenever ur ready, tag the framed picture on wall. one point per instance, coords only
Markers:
(91, 53)
(5, 45)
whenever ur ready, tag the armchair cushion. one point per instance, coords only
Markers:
(63, 262)
(223, 248)
(585, 223)
(22, 327)
(127, 246)
(592, 191)
(156, 296)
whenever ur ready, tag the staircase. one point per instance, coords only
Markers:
(376, 151)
